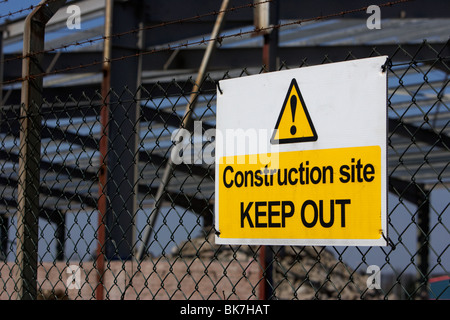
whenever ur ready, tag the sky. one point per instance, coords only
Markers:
(13, 6)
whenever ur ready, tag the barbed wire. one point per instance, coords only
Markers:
(10, 14)
(203, 41)
(31, 7)
(133, 31)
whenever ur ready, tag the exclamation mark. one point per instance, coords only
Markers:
(293, 108)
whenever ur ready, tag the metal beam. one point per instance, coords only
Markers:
(47, 166)
(200, 206)
(51, 215)
(415, 133)
(162, 11)
(53, 192)
(224, 59)
(44, 212)
(158, 10)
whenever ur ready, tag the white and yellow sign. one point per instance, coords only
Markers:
(307, 162)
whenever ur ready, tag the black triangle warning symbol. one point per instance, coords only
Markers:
(294, 123)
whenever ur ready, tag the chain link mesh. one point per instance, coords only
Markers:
(181, 260)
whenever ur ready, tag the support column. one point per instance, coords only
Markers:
(123, 129)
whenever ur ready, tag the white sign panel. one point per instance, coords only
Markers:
(301, 156)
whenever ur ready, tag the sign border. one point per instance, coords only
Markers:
(383, 240)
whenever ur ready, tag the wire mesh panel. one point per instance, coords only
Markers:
(87, 253)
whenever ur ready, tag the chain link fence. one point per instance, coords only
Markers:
(86, 253)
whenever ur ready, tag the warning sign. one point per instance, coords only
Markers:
(294, 123)
(303, 156)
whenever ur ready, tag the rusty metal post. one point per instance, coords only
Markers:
(270, 47)
(269, 58)
(30, 148)
(103, 148)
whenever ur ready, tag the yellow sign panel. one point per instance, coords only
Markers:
(294, 122)
(312, 194)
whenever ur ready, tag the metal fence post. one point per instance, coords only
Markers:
(269, 57)
(30, 145)
(103, 149)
